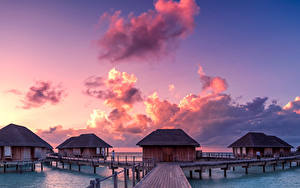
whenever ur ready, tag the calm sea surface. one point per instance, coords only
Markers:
(52, 177)
(288, 178)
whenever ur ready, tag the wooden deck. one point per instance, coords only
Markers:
(165, 175)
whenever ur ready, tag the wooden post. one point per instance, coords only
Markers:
(79, 167)
(264, 168)
(42, 167)
(133, 158)
(233, 168)
(282, 166)
(17, 167)
(126, 159)
(70, 166)
(290, 164)
(225, 174)
(4, 168)
(125, 178)
(274, 167)
(209, 172)
(112, 170)
(133, 176)
(118, 159)
(138, 174)
(32, 167)
(115, 178)
(246, 170)
(191, 174)
(143, 173)
(200, 174)
(56, 164)
(92, 183)
(97, 183)
(95, 170)
(63, 165)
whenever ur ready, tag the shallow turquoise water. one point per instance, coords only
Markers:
(288, 178)
(52, 177)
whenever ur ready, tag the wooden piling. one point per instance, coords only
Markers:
(209, 172)
(42, 167)
(191, 174)
(98, 183)
(79, 168)
(264, 168)
(125, 178)
(133, 176)
(233, 168)
(225, 172)
(274, 167)
(115, 178)
(56, 164)
(282, 166)
(95, 170)
(290, 164)
(63, 165)
(70, 166)
(4, 168)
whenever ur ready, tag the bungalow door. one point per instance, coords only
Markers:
(167, 154)
(26, 154)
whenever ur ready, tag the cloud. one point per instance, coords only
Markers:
(40, 93)
(212, 118)
(117, 90)
(171, 87)
(151, 34)
(215, 84)
(293, 106)
(14, 91)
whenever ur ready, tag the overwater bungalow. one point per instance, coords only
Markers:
(168, 145)
(255, 143)
(85, 145)
(17, 143)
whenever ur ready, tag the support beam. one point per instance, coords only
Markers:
(95, 170)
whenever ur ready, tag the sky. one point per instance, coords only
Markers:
(121, 69)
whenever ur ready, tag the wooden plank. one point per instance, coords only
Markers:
(165, 175)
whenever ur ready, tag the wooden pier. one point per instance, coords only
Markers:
(21, 166)
(202, 166)
(165, 175)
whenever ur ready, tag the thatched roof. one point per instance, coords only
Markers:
(16, 135)
(168, 137)
(84, 141)
(255, 139)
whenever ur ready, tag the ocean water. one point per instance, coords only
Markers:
(288, 178)
(52, 177)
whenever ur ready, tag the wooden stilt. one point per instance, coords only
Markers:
(63, 165)
(200, 174)
(4, 168)
(191, 174)
(125, 178)
(56, 164)
(233, 168)
(225, 172)
(283, 166)
(264, 168)
(42, 167)
(78, 167)
(290, 164)
(133, 176)
(209, 172)
(274, 167)
(70, 166)
(95, 171)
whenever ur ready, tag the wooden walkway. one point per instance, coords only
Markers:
(165, 175)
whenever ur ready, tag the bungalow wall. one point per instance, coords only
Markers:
(169, 154)
(84, 152)
(24, 153)
(251, 152)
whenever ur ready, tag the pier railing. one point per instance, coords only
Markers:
(217, 155)
(97, 182)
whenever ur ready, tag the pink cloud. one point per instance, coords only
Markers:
(41, 93)
(215, 84)
(213, 119)
(150, 34)
(117, 90)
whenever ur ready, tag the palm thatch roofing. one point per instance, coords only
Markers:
(84, 141)
(260, 140)
(168, 137)
(16, 135)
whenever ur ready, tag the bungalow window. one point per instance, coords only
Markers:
(7, 151)
(97, 151)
